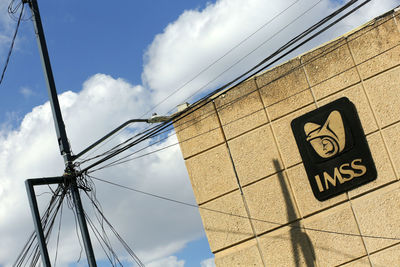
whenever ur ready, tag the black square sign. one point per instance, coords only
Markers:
(334, 149)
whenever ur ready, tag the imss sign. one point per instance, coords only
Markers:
(334, 149)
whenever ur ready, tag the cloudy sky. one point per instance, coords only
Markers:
(114, 62)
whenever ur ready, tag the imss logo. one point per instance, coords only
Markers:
(329, 139)
(334, 150)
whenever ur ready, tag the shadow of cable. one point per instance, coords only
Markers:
(301, 243)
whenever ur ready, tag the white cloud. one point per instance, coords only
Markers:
(208, 263)
(200, 37)
(171, 261)
(26, 91)
(154, 228)
(11, 118)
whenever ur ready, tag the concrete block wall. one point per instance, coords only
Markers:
(247, 175)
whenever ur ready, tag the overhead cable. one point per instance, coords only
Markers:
(206, 99)
(205, 69)
(113, 257)
(30, 252)
(12, 43)
(120, 239)
(127, 158)
(241, 216)
(203, 87)
(223, 56)
(58, 234)
(250, 52)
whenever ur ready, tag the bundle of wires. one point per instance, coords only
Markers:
(30, 253)
(295, 43)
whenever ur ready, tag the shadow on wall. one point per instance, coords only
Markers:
(301, 243)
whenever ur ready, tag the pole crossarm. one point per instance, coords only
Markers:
(29, 184)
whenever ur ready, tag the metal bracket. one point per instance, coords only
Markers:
(30, 183)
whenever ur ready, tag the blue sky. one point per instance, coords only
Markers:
(113, 62)
(85, 38)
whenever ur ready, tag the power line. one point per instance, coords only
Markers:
(251, 52)
(58, 235)
(281, 49)
(223, 56)
(323, 53)
(208, 67)
(104, 236)
(121, 161)
(125, 158)
(75, 216)
(30, 252)
(100, 238)
(206, 99)
(85, 159)
(122, 241)
(260, 66)
(237, 62)
(13, 40)
(239, 216)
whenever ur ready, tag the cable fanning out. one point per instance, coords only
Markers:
(208, 98)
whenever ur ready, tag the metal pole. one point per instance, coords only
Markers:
(82, 223)
(51, 86)
(38, 224)
(60, 129)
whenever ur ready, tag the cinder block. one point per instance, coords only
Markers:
(387, 257)
(358, 97)
(378, 216)
(211, 174)
(271, 203)
(253, 154)
(199, 131)
(380, 63)
(327, 231)
(304, 196)
(245, 255)
(285, 138)
(283, 85)
(288, 246)
(225, 221)
(382, 164)
(335, 83)
(240, 109)
(391, 135)
(290, 104)
(282, 75)
(330, 69)
(376, 47)
(383, 91)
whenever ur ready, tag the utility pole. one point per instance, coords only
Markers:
(70, 173)
(69, 179)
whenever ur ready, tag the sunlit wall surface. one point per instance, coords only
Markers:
(255, 199)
